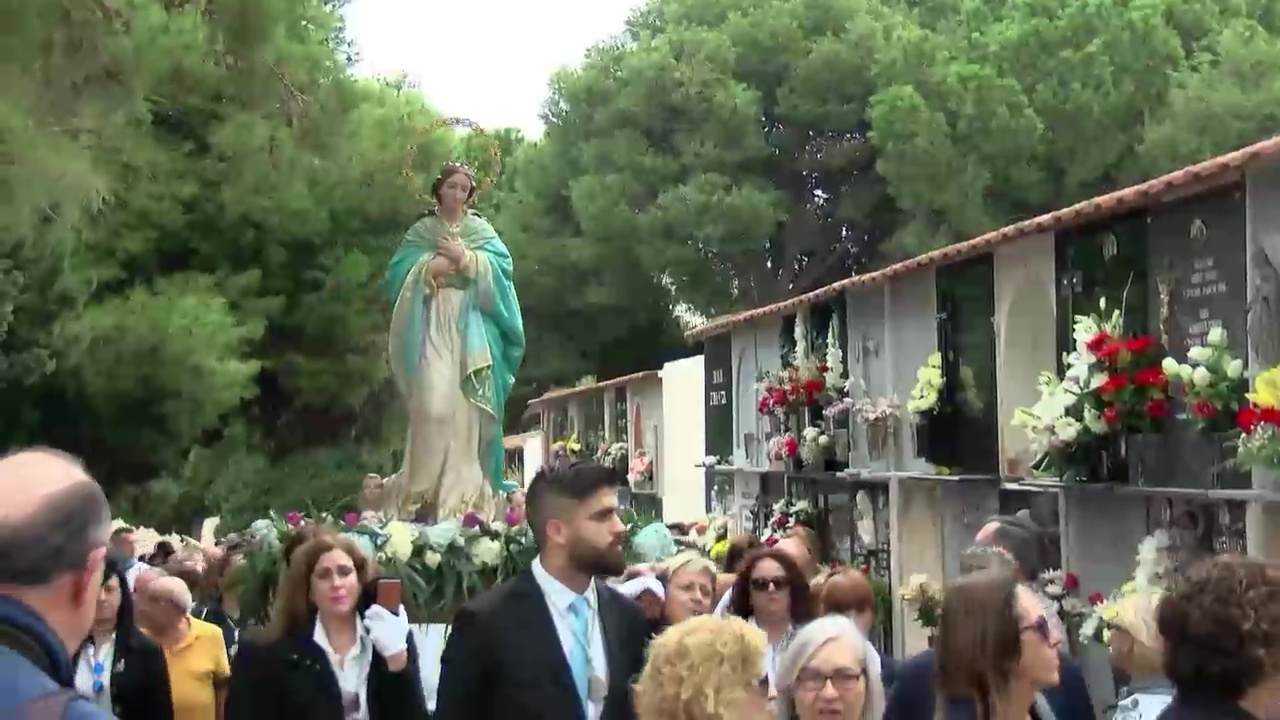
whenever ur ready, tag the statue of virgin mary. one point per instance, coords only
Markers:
(455, 343)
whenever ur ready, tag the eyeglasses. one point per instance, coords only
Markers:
(1040, 627)
(843, 680)
(763, 584)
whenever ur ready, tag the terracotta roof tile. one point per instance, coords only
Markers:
(1187, 181)
(615, 382)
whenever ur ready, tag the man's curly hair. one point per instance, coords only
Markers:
(1221, 627)
(700, 669)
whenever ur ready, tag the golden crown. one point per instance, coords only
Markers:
(459, 166)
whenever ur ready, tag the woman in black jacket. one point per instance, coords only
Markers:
(327, 654)
(118, 667)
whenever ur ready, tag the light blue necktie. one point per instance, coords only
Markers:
(578, 649)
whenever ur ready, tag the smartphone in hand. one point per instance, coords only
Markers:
(388, 594)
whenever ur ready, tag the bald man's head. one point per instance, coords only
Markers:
(53, 518)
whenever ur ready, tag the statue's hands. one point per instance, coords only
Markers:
(452, 249)
(441, 266)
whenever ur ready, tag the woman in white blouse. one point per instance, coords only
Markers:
(118, 667)
(323, 656)
(771, 592)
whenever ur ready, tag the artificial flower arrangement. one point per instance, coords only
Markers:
(1063, 590)
(815, 446)
(782, 447)
(640, 473)
(801, 383)
(1259, 423)
(1211, 382)
(440, 566)
(1125, 622)
(568, 449)
(612, 455)
(1112, 385)
(787, 514)
(879, 416)
(927, 393)
(924, 598)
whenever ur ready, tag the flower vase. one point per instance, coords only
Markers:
(1148, 459)
(935, 439)
(1205, 461)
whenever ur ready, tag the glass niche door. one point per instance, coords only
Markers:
(966, 339)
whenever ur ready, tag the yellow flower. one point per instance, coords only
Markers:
(1266, 389)
(400, 538)
(719, 551)
(1128, 588)
(1109, 613)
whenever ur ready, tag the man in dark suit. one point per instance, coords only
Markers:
(552, 643)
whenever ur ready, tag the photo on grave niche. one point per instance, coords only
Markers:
(1198, 529)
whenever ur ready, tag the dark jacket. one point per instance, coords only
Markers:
(139, 675)
(504, 659)
(212, 613)
(34, 663)
(912, 697)
(1193, 707)
(291, 679)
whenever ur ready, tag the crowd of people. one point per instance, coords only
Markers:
(90, 630)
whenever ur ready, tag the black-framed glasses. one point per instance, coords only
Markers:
(1040, 627)
(763, 584)
(843, 679)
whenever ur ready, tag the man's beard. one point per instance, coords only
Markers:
(594, 561)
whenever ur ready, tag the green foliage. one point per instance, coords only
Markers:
(746, 150)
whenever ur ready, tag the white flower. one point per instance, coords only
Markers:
(1201, 377)
(1235, 369)
(1199, 354)
(1169, 366)
(1217, 337)
(486, 552)
(400, 537)
(710, 461)
(1067, 429)
(1184, 372)
(431, 559)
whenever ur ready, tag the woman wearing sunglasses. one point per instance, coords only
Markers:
(118, 667)
(772, 593)
(998, 654)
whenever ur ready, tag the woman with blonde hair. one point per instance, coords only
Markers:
(829, 670)
(705, 668)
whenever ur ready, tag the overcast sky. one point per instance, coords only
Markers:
(487, 60)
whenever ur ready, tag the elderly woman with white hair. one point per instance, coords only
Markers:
(830, 670)
(193, 649)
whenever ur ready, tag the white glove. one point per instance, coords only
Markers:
(389, 632)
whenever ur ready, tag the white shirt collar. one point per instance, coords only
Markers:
(322, 639)
(556, 592)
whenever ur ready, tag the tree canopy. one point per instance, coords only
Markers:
(199, 198)
(748, 150)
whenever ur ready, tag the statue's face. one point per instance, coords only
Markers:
(455, 191)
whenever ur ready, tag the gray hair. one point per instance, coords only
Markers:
(56, 538)
(801, 649)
